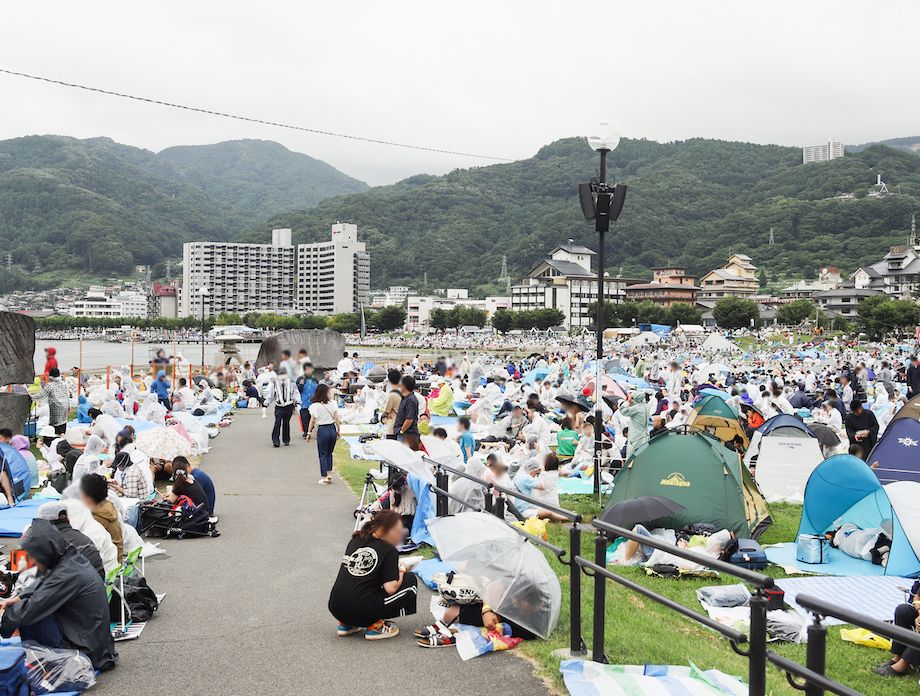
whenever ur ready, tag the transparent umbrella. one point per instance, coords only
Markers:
(510, 574)
(402, 457)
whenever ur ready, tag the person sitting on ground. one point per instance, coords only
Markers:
(6, 481)
(531, 482)
(862, 427)
(184, 484)
(207, 485)
(443, 634)
(905, 659)
(94, 491)
(130, 481)
(496, 470)
(371, 587)
(103, 425)
(21, 444)
(89, 462)
(67, 606)
(566, 439)
(56, 513)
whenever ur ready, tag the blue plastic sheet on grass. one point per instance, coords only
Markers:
(427, 568)
(573, 486)
(13, 520)
(838, 562)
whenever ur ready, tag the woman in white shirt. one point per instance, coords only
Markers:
(324, 421)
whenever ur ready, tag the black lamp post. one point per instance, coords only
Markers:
(602, 203)
(203, 291)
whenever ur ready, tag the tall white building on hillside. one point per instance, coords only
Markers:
(334, 276)
(240, 278)
(822, 153)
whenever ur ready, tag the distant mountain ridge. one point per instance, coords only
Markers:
(910, 144)
(100, 207)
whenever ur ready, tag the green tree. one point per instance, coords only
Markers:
(795, 312)
(763, 280)
(736, 313)
(439, 319)
(347, 322)
(503, 320)
(684, 313)
(880, 315)
(389, 318)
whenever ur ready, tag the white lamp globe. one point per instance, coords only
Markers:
(604, 137)
(203, 290)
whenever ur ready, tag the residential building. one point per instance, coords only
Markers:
(669, 284)
(239, 278)
(737, 278)
(828, 278)
(564, 281)
(334, 276)
(163, 301)
(843, 301)
(102, 304)
(898, 274)
(420, 307)
(822, 153)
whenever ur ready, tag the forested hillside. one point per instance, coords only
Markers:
(690, 202)
(100, 207)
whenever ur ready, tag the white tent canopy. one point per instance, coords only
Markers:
(784, 464)
(717, 343)
(690, 329)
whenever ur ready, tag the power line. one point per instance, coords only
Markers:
(250, 119)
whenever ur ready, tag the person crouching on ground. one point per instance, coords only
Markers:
(371, 587)
(66, 607)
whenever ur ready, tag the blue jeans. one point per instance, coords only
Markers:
(325, 444)
(647, 550)
(46, 632)
(133, 514)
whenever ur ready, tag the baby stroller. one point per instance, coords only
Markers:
(176, 520)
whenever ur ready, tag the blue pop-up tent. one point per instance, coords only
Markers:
(18, 470)
(898, 452)
(844, 489)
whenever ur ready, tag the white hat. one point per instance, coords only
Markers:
(47, 431)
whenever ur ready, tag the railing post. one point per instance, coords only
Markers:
(487, 505)
(816, 653)
(442, 481)
(600, 600)
(757, 660)
(498, 507)
(576, 643)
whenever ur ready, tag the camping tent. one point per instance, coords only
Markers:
(909, 410)
(717, 343)
(785, 453)
(714, 415)
(699, 472)
(843, 489)
(646, 338)
(18, 471)
(898, 452)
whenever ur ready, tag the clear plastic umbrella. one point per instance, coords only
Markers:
(402, 457)
(510, 574)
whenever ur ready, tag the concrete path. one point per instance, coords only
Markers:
(246, 613)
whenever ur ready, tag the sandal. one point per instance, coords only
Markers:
(434, 629)
(437, 641)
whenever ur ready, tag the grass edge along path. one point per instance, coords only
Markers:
(640, 631)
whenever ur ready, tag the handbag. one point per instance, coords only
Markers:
(811, 548)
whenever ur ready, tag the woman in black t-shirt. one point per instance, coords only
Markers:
(185, 484)
(371, 587)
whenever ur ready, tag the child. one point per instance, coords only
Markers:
(465, 438)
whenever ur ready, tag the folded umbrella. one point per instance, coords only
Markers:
(628, 513)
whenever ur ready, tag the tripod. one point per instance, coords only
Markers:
(370, 500)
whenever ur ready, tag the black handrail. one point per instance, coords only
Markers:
(814, 678)
(823, 608)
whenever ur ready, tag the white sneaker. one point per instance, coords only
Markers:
(264, 413)
(323, 482)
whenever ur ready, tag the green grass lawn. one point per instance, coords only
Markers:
(641, 631)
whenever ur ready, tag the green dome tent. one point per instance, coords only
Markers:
(696, 470)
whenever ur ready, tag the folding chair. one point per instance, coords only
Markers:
(115, 584)
(130, 564)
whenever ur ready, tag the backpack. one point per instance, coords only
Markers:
(14, 678)
(140, 601)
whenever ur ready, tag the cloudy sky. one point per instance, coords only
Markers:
(493, 77)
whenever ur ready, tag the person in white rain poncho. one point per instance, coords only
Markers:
(89, 462)
(152, 410)
(265, 383)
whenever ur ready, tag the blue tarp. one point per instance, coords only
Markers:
(19, 470)
(13, 520)
(838, 562)
(660, 329)
(898, 452)
(425, 511)
(427, 568)
(535, 374)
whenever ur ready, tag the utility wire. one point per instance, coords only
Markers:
(251, 119)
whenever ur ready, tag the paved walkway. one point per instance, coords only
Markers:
(246, 613)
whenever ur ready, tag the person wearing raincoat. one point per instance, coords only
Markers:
(88, 462)
(161, 387)
(443, 402)
(637, 411)
(66, 607)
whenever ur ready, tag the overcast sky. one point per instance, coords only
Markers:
(499, 77)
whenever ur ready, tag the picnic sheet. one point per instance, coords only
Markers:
(584, 678)
(356, 449)
(876, 596)
(427, 568)
(838, 562)
(13, 520)
(572, 486)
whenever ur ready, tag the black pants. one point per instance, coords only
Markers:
(905, 616)
(403, 601)
(305, 420)
(282, 427)
(60, 429)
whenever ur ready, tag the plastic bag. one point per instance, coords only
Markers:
(724, 595)
(861, 636)
(54, 669)
(534, 527)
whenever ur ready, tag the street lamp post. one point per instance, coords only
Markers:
(203, 291)
(601, 203)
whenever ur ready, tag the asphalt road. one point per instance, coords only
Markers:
(245, 613)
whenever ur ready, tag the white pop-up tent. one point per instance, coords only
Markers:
(717, 343)
(785, 453)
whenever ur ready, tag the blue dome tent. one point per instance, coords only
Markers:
(843, 489)
(898, 452)
(790, 426)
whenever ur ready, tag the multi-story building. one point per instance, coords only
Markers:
(334, 276)
(737, 278)
(898, 274)
(101, 304)
(669, 284)
(420, 307)
(822, 153)
(163, 301)
(828, 278)
(843, 301)
(565, 282)
(239, 278)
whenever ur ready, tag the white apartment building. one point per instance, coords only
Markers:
(394, 295)
(420, 307)
(822, 153)
(101, 304)
(334, 276)
(565, 282)
(240, 278)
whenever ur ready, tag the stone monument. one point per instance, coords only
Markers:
(17, 350)
(324, 347)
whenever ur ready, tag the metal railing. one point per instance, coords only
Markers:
(815, 682)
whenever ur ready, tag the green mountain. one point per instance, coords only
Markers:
(98, 207)
(689, 203)
(259, 176)
(909, 144)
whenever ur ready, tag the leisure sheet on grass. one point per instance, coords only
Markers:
(583, 678)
